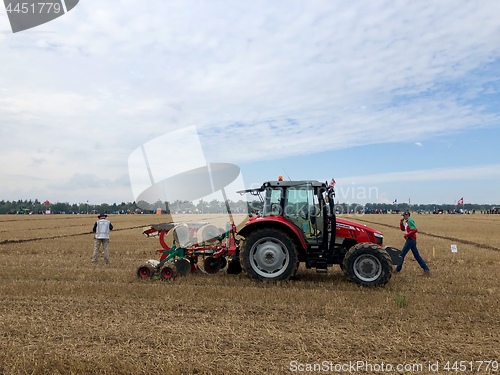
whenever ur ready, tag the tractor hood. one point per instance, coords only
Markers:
(359, 232)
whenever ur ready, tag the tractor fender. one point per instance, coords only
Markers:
(276, 222)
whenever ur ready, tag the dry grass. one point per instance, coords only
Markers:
(61, 314)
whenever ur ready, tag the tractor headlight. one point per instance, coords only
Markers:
(379, 237)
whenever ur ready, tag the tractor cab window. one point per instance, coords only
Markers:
(303, 209)
(272, 202)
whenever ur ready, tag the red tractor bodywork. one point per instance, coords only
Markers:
(346, 229)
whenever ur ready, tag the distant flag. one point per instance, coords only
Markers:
(460, 202)
(332, 183)
(395, 201)
(46, 203)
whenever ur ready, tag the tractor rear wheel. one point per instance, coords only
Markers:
(269, 254)
(368, 264)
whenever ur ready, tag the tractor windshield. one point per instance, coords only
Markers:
(272, 202)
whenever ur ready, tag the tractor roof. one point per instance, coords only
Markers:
(292, 183)
(272, 184)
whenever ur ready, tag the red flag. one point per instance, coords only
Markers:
(460, 202)
(332, 183)
(46, 203)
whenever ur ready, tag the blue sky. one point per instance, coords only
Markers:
(393, 100)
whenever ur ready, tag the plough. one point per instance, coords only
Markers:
(183, 244)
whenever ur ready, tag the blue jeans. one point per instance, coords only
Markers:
(411, 244)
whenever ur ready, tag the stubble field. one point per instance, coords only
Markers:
(60, 314)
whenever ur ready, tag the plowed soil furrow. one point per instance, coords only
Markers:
(455, 239)
(61, 236)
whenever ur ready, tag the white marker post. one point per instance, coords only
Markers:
(454, 248)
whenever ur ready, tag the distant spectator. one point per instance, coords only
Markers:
(102, 227)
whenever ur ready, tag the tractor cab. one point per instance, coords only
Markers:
(305, 209)
(302, 203)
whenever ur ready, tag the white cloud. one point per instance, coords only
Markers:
(260, 80)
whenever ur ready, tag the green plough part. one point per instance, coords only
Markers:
(172, 253)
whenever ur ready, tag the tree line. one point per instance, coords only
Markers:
(215, 206)
(36, 207)
(141, 207)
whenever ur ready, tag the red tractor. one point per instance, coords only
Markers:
(298, 224)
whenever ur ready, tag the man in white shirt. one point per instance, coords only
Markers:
(102, 227)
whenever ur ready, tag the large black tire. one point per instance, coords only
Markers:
(269, 254)
(368, 264)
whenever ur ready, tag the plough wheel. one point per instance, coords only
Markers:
(145, 271)
(183, 266)
(166, 273)
(212, 265)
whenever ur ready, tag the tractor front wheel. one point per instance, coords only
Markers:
(368, 264)
(269, 254)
